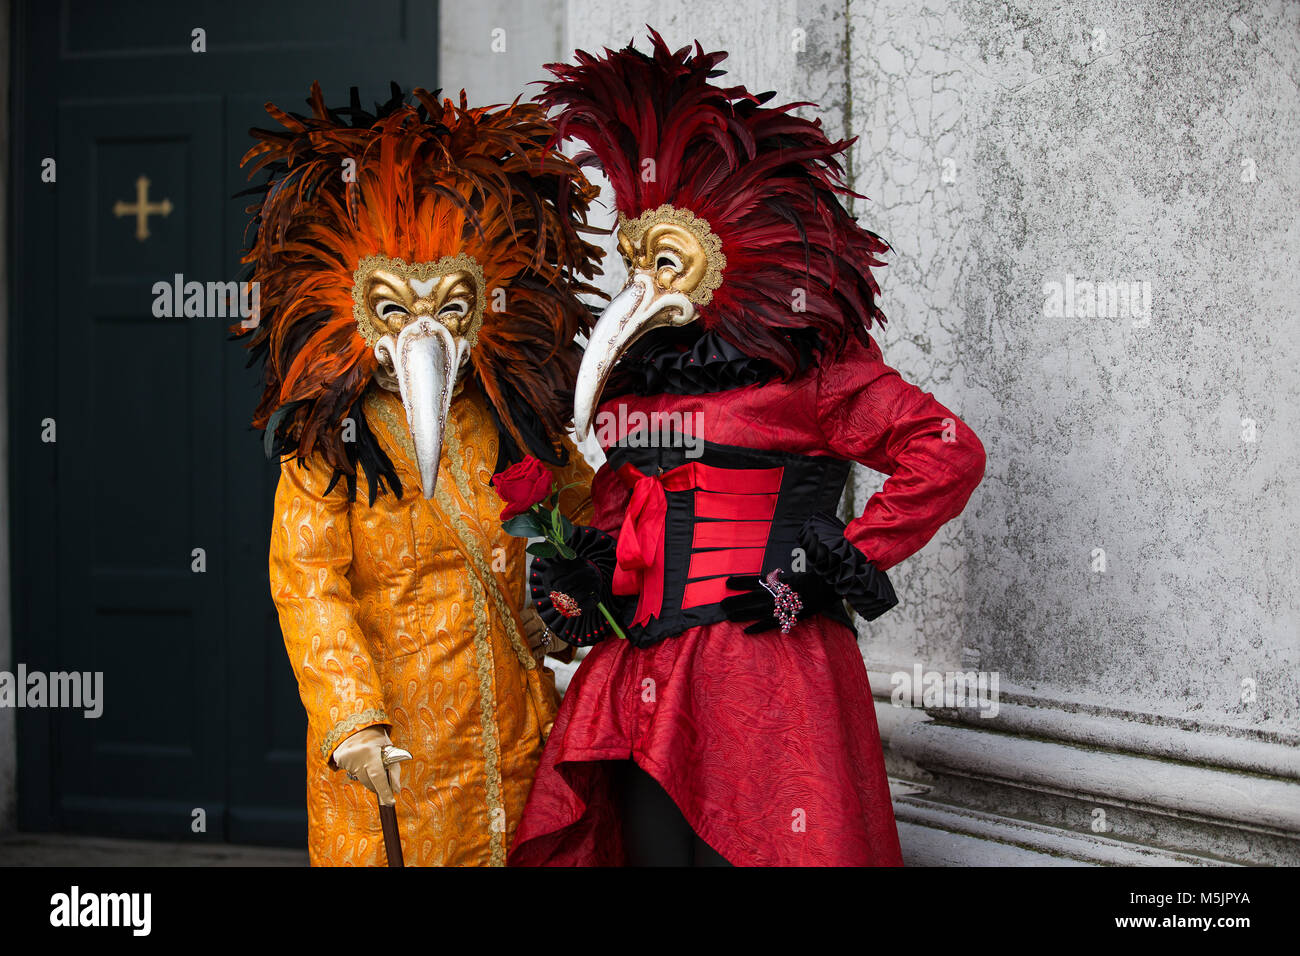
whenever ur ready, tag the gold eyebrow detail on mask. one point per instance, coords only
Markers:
(634, 229)
(370, 329)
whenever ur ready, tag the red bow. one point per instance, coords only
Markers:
(640, 567)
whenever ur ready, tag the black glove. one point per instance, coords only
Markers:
(758, 605)
(577, 585)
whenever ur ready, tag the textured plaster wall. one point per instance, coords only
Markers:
(763, 31)
(1154, 141)
(1008, 145)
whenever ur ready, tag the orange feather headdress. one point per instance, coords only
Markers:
(418, 182)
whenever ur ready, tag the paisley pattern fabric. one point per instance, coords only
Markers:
(405, 614)
(767, 743)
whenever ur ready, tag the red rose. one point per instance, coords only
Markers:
(521, 486)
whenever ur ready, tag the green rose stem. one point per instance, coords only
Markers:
(610, 617)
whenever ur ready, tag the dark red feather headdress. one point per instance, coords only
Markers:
(430, 179)
(767, 182)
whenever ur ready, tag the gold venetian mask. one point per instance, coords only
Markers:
(675, 263)
(421, 319)
(388, 294)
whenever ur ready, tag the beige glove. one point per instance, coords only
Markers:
(362, 758)
(535, 632)
(541, 641)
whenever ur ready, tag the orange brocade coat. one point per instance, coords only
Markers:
(406, 614)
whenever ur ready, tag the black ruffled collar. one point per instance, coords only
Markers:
(689, 361)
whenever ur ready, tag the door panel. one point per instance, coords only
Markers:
(138, 405)
(154, 455)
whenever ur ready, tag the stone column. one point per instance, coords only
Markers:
(1128, 567)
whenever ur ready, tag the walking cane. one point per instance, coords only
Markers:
(388, 815)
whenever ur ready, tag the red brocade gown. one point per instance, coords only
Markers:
(766, 742)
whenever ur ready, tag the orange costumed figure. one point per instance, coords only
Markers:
(419, 267)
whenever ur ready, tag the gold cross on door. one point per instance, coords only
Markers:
(142, 208)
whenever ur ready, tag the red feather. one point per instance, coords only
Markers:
(768, 182)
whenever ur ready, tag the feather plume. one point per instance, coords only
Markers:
(429, 179)
(768, 182)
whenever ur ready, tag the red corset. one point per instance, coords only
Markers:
(690, 525)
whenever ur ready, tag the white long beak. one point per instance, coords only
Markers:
(636, 310)
(425, 359)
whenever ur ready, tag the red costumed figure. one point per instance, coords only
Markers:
(735, 724)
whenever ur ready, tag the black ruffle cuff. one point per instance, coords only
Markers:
(847, 569)
(584, 581)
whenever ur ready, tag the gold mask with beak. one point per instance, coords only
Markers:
(421, 319)
(674, 263)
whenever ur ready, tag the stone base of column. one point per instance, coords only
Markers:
(1044, 783)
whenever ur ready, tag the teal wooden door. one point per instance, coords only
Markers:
(153, 456)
